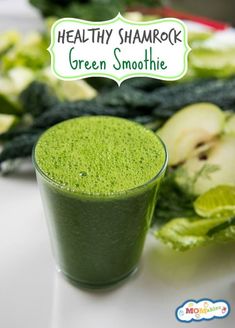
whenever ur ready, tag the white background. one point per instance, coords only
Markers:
(33, 295)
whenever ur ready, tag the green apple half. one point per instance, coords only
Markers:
(220, 154)
(229, 127)
(189, 128)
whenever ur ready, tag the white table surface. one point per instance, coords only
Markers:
(33, 295)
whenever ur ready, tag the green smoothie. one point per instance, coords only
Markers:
(98, 178)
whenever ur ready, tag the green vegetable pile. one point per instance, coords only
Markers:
(203, 226)
(196, 205)
(87, 9)
(24, 59)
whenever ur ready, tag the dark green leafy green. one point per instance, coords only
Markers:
(68, 110)
(19, 147)
(18, 131)
(163, 101)
(172, 201)
(146, 102)
(38, 98)
(169, 99)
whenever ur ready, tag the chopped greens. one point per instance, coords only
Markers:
(185, 232)
(172, 201)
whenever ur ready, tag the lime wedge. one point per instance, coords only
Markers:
(217, 202)
(7, 121)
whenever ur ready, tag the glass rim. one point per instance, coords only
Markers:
(93, 195)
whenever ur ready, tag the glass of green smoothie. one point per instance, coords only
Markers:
(98, 178)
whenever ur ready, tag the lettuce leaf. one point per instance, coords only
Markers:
(185, 233)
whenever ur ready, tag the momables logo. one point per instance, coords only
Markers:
(203, 309)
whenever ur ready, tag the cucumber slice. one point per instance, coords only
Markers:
(210, 62)
(196, 36)
(7, 122)
(75, 90)
(68, 90)
(21, 77)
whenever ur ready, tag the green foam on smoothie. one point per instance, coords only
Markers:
(99, 155)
